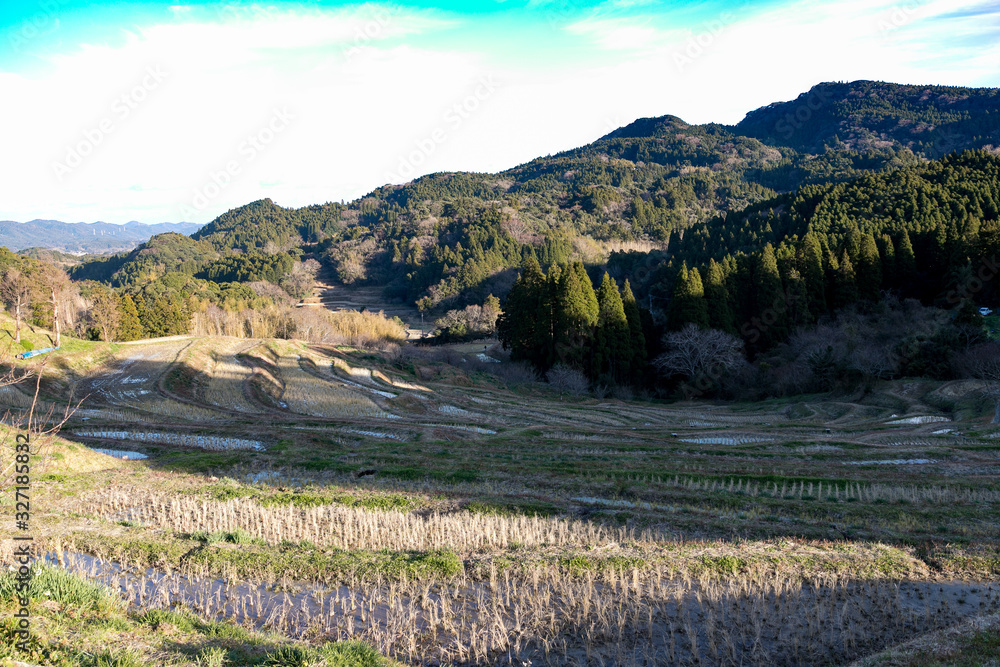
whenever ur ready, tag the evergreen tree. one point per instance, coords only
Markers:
(720, 310)
(129, 327)
(797, 296)
(852, 243)
(869, 278)
(767, 280)
(589, 295)
(612, 343)
(688, 304)
(166, 317)
(517, 327)
(935, 257)
(906, 264)
(811, 268)
(743, 287)
(771, 300)
(846, 288)
(636, 336)
(887, 251)
(831, 268)
(576, 316)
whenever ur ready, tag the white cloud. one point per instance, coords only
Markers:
(737, 60)
(366, 90)
(616, 34)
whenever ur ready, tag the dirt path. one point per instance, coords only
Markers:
(147, 341)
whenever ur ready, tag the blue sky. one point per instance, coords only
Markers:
(166, 112)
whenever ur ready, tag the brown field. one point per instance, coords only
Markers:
(417, 501)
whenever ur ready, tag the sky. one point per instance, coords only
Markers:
(162, 112)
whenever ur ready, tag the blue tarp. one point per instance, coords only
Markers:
(35, 353)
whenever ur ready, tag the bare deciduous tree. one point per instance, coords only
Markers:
(983, 362)
(518, 229)
(58, 286)
(300, 280)
(568, 380)
(700, 353)
(872, 360)
(105, 313)
(16, 291)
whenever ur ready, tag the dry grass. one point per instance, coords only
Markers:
(349, 527)
(366, 329)
(867, 493)
(132, 381)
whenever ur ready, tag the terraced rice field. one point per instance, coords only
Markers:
(211, 443)
(310, 395)
(225, 378)
(593, 531)
(132, 381)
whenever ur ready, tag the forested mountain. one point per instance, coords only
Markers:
(447, 239)
(160, 255)
(929, 232)
(846, 283)
(868, 115)
(814, 205)
(84, 237)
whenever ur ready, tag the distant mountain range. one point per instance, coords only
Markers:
(84, 237)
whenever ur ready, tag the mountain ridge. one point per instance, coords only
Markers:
(85, 237)
(452, 238)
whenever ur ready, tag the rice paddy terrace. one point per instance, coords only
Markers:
(443, 515)
(329, 293)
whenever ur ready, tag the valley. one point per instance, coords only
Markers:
(690, 394)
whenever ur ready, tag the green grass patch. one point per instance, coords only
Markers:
(311, 563)
(581, 563)
(238, 556)
(58, 585)
(513, 508)
(720, 566)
